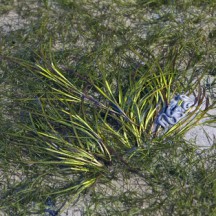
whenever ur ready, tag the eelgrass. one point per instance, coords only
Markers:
(88, 117)
(84, 130)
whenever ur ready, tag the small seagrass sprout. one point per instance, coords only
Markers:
(174, 112)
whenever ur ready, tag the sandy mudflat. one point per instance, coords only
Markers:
(203, 136)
